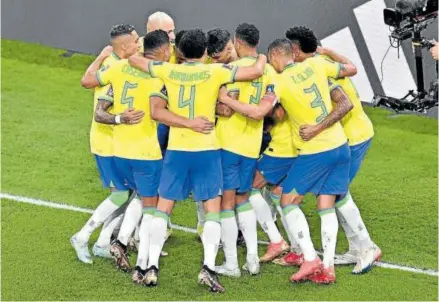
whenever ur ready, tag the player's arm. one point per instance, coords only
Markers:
(342, 106)
(266, 104)
(140, 62)
(89, 79)
(223, 110)
(347, 68)
(249, 73)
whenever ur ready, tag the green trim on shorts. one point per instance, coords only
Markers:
(212, 217)
(326, 211)
(243, 207)
(227, 214)
(286, 210)
(149, 210)
(160, 214)
(119, 197)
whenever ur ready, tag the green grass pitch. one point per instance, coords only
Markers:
(46, 116)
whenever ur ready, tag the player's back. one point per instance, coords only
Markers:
(192, 92)
(132, 89)
(356, 123)
(306, 98)
(238, 133)
(101, 135)
(281, 144)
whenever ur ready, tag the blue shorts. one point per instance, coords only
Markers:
(199, 172)
(358, 152)
(163, 136)
(109, 173)
(238, 171)
(141, 175)
(321, 173)
(274, 169)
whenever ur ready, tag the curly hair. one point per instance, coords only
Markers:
(247, 33)
(193, 44)
(303, 36)
(178, 36)
(217, 40)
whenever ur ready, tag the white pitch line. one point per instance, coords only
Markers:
(64, 206)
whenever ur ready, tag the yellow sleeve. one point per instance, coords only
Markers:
(332, 83)
(270, 81)
(159, 69)
(331, 68)
(108, 95)
(159, 89)
(223, 73)
(106, 74)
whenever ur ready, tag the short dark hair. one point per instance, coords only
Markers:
(304, 37)
(217, 40)
(193, 44)
(281, 44)
(248, 33)
(178, 36)
(154, 40)
(120, 30)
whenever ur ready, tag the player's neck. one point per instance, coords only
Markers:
(200, 60)
(248, 52)
(119, 54)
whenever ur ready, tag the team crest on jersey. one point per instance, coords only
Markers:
(270, 88)
(156, 63)
(227, 66)
(164, 91)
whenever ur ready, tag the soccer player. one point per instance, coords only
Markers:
(162, 21)
(240, 140)
(359, 131)
(192, 161)
(220, 48)
(178, 36)
(124, 41)
(322, 166)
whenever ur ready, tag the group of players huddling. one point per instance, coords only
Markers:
(214, 97)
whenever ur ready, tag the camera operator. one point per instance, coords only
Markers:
(434, 51)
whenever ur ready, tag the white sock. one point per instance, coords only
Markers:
(157, 237)
(350, 234)
(294, 246)
(298, 226)
(106, 232)
(105, 209)
(132, 216)
(200, 215)
(329, 230)
(351, 214)
(229, 235)
(264, 216)
(211, 238)
(137, 231)
(144, 235)
(247, 223)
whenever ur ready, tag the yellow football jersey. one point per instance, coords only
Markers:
(132, 89)
(239, 134)
(305, 96)
(281, 144)
(101, 135)
(193, 91)
(356, 124)
(173, 58)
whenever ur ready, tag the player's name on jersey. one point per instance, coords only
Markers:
(135, 72)
(303, 76)
(189, 77)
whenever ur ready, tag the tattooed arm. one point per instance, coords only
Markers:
(129, 116)
(342, 106)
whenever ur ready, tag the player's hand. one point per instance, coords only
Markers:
(106, 52)
(201, 124)
(308, 132)
(223, 110)
(434, 51)
(131, 116)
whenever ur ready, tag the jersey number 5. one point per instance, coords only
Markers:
(128, 100)
(189, 102)
(317, 102)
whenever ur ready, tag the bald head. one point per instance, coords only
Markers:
(162, 21)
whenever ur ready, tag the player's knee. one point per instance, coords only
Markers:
(119, 197)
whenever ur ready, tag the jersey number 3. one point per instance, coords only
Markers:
(127, 100)
(188, 102)
(317, 102)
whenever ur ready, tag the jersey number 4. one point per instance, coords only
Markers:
(128, 100)
(188, 102)
(317, 102)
